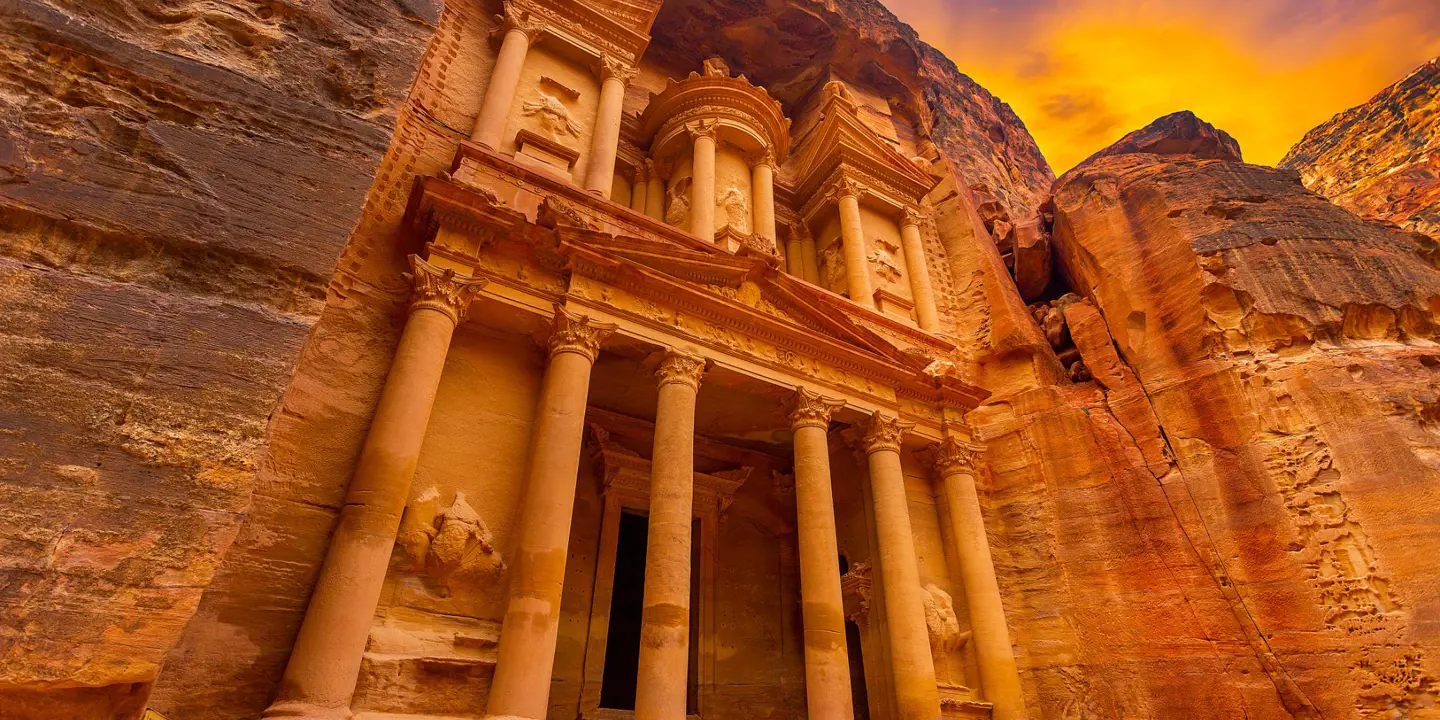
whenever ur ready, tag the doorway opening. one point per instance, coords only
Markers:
(622, 646)
(859, 698)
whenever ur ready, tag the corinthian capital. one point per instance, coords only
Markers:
(844, 187)
(578, 334)
(681, 368)
(613, 66)
(911, 215)
(516, 18)
(950, 456)
(701, 128)
(812, 409)
(884, 433)
(440, 289)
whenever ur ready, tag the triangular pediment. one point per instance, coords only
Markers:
(741, 281)
(842, 138)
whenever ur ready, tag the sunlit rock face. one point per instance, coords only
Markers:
(1381, 160)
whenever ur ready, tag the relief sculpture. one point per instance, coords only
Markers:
(553, 116)
(452, 545)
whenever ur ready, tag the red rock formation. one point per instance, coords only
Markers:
(1179, 133)
(1381, 160)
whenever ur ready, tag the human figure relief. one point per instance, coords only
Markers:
(735, 210)
(832, 265)
(554, 116)
(945, 634)
(886, 262)
(677, 210)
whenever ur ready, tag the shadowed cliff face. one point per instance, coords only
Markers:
(786, 45)
(1242, 502)
(1381, 160)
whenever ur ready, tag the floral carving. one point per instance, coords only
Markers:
(578, 334)
(441, 289)
(811, 409)
(951, 456)
(884, 433)
(681, 368)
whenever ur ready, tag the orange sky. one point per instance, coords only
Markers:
(1082, 73)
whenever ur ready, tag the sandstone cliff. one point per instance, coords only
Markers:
(1381, 160)
(1241, 498)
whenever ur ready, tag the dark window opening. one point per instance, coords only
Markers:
(859, 698)
(622, 645)
(844, 565)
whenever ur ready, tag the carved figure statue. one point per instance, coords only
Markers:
(885, 262)
(832, 264)
(554, 116)
(837, 88)
(735, 210)
(716, 67)
(451, 545)
(677, 207)
(944, 627)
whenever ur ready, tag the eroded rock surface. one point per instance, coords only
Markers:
(1381, 160)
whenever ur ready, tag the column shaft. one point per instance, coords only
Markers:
(809, 262)
(600, 173)
(999, 677)
(655, 195)
(521, 685)
(660, 686)
(827, 663)
(638, 192)
(500, 94)
(702, 187)
(325, 660)
(857, 268)
(926, 314)
(916, 697)
(794, 258)
(762, 186)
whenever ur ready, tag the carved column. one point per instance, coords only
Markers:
(521, 686)
(762, 187)
(638, 190)
(660, 684)
(325, 661)
(809, 259)
(913, 668)
(794, 255)
(521, 28)
(827, 664)
(999, 678)
(926, 314)
(852, 237)
(615, 74)
(655, 191)
(702, 185)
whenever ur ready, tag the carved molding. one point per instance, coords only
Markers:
(578, 334)
(811, 409)
(441, 289)
(682, 369)
(884, 433)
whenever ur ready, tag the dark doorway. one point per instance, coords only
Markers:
(859, 698)
(622, 645)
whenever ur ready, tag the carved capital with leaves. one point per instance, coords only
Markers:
(518, 19)
(441, 289)
(701, 129)
(911, 215)
(578, 334)
(811, 409)
(950, 456)
(884, 433)
(844, 187)
(615, 67)
(681, 368)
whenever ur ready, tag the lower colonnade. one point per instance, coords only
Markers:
(322, 672)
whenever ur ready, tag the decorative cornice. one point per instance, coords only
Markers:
(517, 19)
(811, 409)
(440, 289)
(578, 334)
(950, 456)
(911, 215)
(682, 369)
(884, 433)
(614, 66)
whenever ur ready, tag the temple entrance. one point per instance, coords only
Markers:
(622, 646)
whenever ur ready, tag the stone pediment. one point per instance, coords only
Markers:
(749, 285)
(842, 139)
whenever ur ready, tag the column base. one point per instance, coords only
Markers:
(308, 711)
